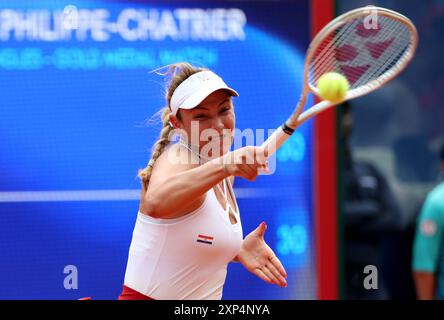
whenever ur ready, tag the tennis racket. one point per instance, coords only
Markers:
(369, 46)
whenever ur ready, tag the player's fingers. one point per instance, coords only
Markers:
(251, 169)
(242, 171)
(263, 276)
(277, 263)
(248, 172)
(270, 275)
(259, 166)
(282, 282)
(261, 229)
(264, 168)
(260, 155)
(254, 157)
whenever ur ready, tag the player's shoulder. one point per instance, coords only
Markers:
(435, 200)
(437, 195)
(173, 160)
(176, 157)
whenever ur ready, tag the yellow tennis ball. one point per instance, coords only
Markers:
(333, 86)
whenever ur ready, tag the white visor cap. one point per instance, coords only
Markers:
(192, 91)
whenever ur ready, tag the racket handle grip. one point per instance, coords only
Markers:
(274, 142)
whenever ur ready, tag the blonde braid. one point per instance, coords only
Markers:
(159, 146)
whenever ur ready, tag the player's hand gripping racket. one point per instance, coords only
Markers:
(369, 46)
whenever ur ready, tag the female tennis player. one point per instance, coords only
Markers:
(188, 227)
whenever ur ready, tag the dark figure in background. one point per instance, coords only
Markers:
(369, 213)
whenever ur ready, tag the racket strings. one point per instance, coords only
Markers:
(335, 42)
(368, 58)
(362, 55)
(327, 60)
(341, 46)
(388, 52)
(324, 60)
(361, 65)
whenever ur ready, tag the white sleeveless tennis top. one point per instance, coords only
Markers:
(187, 257)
